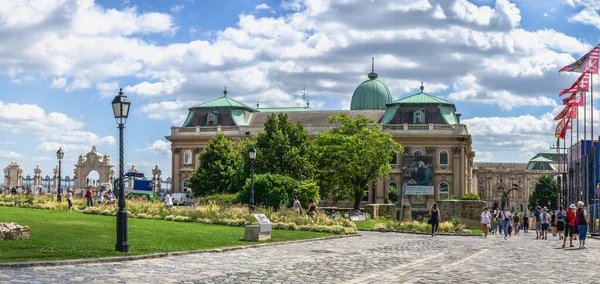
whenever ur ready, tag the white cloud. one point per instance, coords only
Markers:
(107, 89)
(262, 6)
(59, 83)
(174, 111)
(158, 147)
(176, 8)
(9, 155)
(8, 142)
(589, 13)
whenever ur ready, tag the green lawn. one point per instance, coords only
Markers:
(69, 235)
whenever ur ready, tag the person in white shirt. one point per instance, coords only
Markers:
(101, 197)
(506, 221)
(168, 200)
(486, 218)
(545, 221)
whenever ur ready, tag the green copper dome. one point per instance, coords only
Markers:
(371, 94)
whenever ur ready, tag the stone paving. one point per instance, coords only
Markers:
(371, 258)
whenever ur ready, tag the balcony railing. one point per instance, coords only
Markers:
(458, 129)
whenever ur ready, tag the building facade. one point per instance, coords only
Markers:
(436, 164)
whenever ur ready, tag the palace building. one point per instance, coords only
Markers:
(436, 164)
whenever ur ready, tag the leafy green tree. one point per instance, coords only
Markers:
(275, 190)
(546, 189)
(352, 156)
(217, 170)
(284, 148)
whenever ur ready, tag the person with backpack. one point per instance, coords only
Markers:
(560, 222)
(525, 224)
(569, 225)
(538, 222)
(545, 216)
(582, 222)
(506, 222)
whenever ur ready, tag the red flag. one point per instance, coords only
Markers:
(586, 64)
(562, 113)
(564, 130)
(576, 99)
(583, 82)
(559, 128)
(572, 112)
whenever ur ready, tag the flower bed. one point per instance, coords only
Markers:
(420, 227)
(207, 214)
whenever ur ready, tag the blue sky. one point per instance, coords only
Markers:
(62, 62)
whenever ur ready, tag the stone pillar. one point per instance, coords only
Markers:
(156, 178)
(37, 177)
(132, 170)
(55, 177)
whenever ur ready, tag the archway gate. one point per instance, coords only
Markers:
(93, 161)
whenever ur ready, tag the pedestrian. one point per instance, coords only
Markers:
(494, 224)
(101, 197)
(553, 222)
(545, 222)
(90, 196)
(569, 225)
(313, 211)
(506, 222)
(168, 200)
(70, 199)
(296, 206)
(582, 222)
(434, 219)
(525, 224)
(485, 221)
(560, 222)
(516, 223)
(111, 197)
(538, 222)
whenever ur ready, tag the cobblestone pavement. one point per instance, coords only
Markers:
(371, 258)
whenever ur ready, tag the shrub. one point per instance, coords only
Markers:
(469, 196)
(223, 199)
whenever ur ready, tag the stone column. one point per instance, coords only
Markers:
(156, 178)
(132, 170)
(37, 177)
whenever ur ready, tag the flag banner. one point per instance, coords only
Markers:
(576, 99)
(559, 128)
(563, 131)
(562, 113)
(586, 64)
(572, 112)
(583, 82)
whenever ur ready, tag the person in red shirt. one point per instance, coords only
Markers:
(570, 225)
(90, 197)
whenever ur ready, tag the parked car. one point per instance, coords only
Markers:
(180, 198)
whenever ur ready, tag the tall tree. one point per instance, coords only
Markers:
(218, 168)
(546, 191)
(284, 148)
(353, 155)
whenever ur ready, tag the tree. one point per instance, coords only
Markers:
(275, 190)
(217, 170)
(546, 190)
(352, 156)
(284, 148)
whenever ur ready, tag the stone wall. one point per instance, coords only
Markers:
(13, 231)
(466, 210)
(381, 210)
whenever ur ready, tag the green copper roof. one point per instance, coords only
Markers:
(371, 94)
(448, 114)
(541, 159)
(223, 102)
(422, 98)
(239, 117)
(284, 109)
(389, 114)
(188, 119)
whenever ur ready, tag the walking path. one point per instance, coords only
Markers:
(371, 258)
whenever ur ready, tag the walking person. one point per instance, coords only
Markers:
(553, 222)
(516, 223)
(506, 222)
(434, 219)
(89, 194)
(70, 199)
(312, 209)
(545, 221)
(560, 222)
(569, 225)
(538, 222)
(296, 206)
(525, 224)
(168, 200)
(111, 197)
(582, 222)
(485, 221)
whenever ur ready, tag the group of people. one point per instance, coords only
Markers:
(564, 224)
(102, 197)
(312, 212)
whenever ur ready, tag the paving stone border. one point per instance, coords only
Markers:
(420, 233)
(155, 255)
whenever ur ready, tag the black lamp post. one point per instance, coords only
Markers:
(505, 195)
(59, 155)
(252, 154)
(120, 107)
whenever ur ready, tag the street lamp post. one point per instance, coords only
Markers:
(59, 155)
(505, 195)
(120, 107)
(252, 154)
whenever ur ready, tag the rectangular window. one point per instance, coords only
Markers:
(443, 158)
(394, 160)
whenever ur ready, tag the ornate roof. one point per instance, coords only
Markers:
(422, 98)
(371, 94)
(223, 102)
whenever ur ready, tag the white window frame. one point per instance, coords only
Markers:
(440, 190)
(440, 158)
(191, 160)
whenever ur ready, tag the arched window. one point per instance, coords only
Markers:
(443, 158)
(418, 152)
(187, 157)
(443, 191)
(393, 192)
(541, 166)
(184, 184)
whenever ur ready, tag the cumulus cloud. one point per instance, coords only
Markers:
(158, 147)
(588, 14)
(9, 155)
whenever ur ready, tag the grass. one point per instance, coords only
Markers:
(70, 235)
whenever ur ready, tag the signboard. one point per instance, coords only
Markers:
(417, 173)
(143, 185)
(135, 175)
(264, 223)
